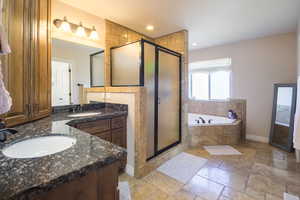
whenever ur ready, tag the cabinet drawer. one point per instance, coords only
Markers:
(104, 135)
(95, 126)
(118, 122)
(118, 137)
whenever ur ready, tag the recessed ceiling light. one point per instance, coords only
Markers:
(194, 44)
(150, 27)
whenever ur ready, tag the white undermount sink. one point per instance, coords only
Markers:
(39, 146)
(84, 114)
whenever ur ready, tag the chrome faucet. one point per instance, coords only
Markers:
(4, 132)
(202, 120)
(76, 108)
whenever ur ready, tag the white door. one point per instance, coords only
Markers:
(61, 93)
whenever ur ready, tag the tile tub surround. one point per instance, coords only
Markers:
(226, 134)
(25, 178)
(220, 108)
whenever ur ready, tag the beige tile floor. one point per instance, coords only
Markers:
(262, 172)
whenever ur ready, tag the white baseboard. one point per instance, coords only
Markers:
(297, 155)
(257, 138)
(129, 170)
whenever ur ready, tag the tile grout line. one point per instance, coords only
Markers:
(221, 193)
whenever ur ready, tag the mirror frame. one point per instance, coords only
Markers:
(91, 69)
(289, 146)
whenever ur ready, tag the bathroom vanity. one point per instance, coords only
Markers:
(112, 130)
(88, 170)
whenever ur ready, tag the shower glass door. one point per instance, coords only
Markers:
(149, 84)
(168, 100)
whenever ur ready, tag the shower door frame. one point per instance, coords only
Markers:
(141, 84)
(156, 103)
(141, 67)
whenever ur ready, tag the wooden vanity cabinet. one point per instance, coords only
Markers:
(40, 75)
(113, 130)
(101, 184)
(27, 70)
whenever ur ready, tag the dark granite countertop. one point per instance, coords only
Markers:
(25, 178)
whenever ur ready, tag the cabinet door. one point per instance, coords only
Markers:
(104, 135)
(15, 66)
(118, 122)
(117, 137)
(41, 58)
(97, 126)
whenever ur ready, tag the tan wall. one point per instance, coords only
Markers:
(117, 35)
(256, 66)
(75, 15)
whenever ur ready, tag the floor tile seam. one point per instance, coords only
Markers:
(221, 193)
(169, 194)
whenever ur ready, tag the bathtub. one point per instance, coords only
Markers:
(194, 120)
(216, 130)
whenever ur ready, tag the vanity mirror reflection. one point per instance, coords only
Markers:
(74, 67)
(282, 125)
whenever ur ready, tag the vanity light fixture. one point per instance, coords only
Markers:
(65, 26)
(78, 30)
(94, 34)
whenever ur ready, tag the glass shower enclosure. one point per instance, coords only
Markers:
(157, 69)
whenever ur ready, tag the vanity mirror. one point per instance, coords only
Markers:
(97, 67)
(282, 126)
(74, 67)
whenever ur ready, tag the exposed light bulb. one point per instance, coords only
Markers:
(194, 44)
(150, 27)
(94, 34)
(80, 31)
(65, 26)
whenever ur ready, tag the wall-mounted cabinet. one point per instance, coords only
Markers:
(27, 70)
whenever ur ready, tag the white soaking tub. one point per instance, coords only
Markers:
(213, 130)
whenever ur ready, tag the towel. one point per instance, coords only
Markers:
(4, 47)
(296, 139)
(5, 99)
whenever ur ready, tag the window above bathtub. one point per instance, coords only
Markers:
(210, 79)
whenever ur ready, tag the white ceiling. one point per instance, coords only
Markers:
(209, 22)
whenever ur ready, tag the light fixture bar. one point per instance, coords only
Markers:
(90, 32)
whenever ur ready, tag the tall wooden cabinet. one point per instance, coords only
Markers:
(27, 70)
(41, 61)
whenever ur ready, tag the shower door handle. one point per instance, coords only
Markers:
(158, 100)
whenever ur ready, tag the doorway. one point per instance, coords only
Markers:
(61, 83)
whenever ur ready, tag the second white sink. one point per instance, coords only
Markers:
(39, 146)
(84, 114)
